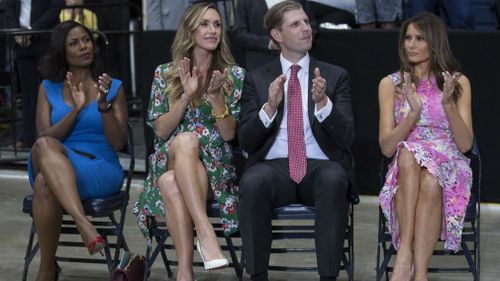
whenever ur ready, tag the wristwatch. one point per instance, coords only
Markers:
(104, 110)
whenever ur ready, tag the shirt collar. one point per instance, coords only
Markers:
(303, 62)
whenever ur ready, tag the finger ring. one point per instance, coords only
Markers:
(106, 91)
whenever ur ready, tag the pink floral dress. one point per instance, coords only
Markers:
(215, 153)
(431, 142)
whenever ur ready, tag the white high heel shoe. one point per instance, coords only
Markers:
(212, 264)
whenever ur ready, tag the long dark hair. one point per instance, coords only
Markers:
(53, 66)
(434, 33)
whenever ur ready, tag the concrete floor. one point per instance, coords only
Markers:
(15, 228)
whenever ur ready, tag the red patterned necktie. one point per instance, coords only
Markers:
(295, 128)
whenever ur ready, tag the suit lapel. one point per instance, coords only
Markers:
(310, 102)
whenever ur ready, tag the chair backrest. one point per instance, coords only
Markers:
(301, 218)
(476, 166)
(299, 215)
(129, 149)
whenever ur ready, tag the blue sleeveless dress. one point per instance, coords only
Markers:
(96, 165)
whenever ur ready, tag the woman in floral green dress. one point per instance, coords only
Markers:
(194, 109)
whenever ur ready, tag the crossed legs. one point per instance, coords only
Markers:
(184, 190)
(55, 189)
(419, 211)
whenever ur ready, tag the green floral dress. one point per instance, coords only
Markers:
(215, 154)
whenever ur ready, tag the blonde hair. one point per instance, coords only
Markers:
(183, 46)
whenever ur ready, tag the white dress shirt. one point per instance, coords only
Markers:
(25, 15)
(280, 147)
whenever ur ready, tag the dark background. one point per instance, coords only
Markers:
(369, 56)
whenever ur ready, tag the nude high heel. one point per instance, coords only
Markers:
(212, 264)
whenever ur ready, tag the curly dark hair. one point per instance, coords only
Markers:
(53, 66)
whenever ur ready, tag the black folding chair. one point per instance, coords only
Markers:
(302, 213)
(102, 214)
(470, 235)
(159, 234)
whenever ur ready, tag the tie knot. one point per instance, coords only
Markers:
(295, 69)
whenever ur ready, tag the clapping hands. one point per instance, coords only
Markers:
(103, 86)
(318, 89)
(414, 100)
(275, 92)
(215, 85)
(78, 95)
(77, 92)
(189, 78)
(450, 82)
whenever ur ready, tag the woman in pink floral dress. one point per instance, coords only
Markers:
(193, 110)
(426, 126)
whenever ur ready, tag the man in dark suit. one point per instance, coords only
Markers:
(30, 15)
(296, 153)
(250, 34)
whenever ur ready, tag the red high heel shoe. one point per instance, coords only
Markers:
(96, 245)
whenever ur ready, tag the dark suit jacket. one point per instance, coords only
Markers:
(44, 13)
(249, 31)
(44, 16)
(334, 135)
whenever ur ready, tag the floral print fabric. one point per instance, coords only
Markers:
(215, 154)
(431, 142)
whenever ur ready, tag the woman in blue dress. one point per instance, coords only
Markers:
(81, 122)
